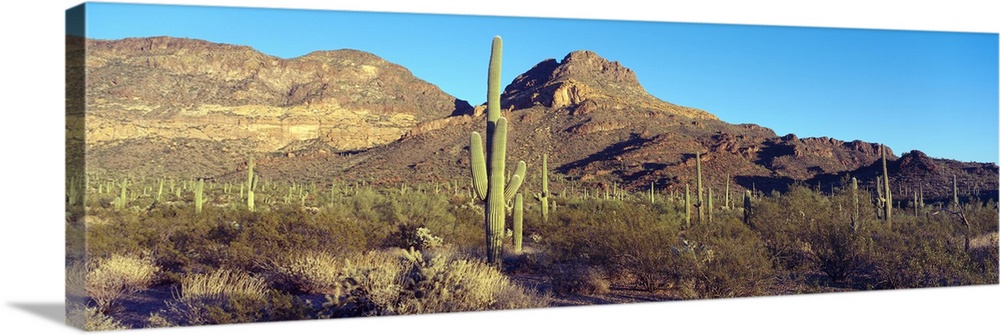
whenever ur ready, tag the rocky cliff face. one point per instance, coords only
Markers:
(584, 82)
(165, 88)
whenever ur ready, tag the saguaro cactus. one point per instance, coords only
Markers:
(747, 209)
(954, 190)
(709, 204)
(857, 208)
(888, 191)
(251, 184)
(697, 157)
(687, 206)
(488, 171)
(727, 205)
(543, 197)
(199, 195)
(652, 193)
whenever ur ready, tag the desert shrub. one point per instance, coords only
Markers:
(719, 260)
(310, 271)
(108, 279)
(91, 319)
(915, 254)
(616, 239)
(417, 237)
(839, 251)
(983, 253)
(442, 282)
(575, 277)
(253, 247)
(414, 282)
(229, 296)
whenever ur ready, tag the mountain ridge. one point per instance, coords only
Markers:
(591, 116)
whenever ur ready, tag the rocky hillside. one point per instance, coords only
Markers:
(600, 128)
(172, 92)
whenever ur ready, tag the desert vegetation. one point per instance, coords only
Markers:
(343, 250)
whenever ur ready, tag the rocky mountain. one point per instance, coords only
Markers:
(600, 128)
(175, 93)
(193, 108)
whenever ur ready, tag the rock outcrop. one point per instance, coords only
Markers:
(163, 88)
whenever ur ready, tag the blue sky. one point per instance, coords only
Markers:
(932, 91)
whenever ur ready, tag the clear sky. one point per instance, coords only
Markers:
(932, 91)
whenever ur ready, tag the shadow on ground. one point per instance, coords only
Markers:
(53, 311)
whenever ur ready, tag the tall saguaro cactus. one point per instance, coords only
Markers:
(855, 215)
(488, 171)
(888, 191)
(251, 184)
(954, 190)
(697, 157)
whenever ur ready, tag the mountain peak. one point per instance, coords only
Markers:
(587, 64)
(584, 76)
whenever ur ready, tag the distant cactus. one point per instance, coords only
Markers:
(199, 195)
(159, 192)
(888, 192)
(954, 191)
(652, 192)
(698, 204)
(855, 215)
(747, 209)
(488, 171)
(687, 206)
(709, 204)
(251, 184)
(543, 197)
(122, 200)
(727, 204)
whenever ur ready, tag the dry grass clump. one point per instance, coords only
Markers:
(311, 271)
(221, 296)
(221, 284)
(110, 278)
(984, 241)
(91, 319)
(415, 282)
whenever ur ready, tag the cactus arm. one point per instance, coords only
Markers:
(478, 163)
(515, 181)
